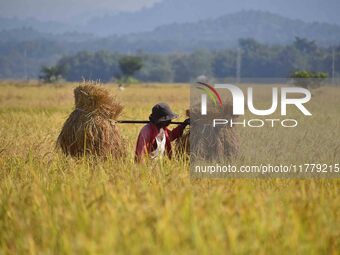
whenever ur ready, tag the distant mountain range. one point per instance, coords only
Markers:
(40, 26)
(224, 32)
(179, 11)
(221, 32)
(29, 34)
(166, 12)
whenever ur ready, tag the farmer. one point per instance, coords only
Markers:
(155, 138)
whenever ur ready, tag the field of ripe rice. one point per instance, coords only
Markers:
(50, 204)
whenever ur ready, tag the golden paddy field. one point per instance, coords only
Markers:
(51, 204)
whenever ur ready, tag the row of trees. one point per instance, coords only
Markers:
(251, 59)
(93, 66)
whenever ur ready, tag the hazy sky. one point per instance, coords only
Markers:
(67, 9)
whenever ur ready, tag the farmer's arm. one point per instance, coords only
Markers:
(178, 131)
(142, 145)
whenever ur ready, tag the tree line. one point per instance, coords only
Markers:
(252, 58)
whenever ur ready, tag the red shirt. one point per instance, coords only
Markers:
(146, 142)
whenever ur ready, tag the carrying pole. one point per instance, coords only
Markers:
(142, 122)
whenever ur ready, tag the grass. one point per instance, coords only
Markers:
(50, 204)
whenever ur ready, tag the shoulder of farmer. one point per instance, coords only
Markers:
(148, 132)
(143, 142)
(144, 132)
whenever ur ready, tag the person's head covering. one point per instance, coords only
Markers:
(161, 112)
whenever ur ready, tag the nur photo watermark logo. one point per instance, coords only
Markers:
(270, 128)
(240, 100)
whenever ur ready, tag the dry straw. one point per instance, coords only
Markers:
(182, 146)
(90, 129)
(209, 143)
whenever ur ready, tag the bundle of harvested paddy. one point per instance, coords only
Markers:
(207, 142)
(90, 129)
(182, 145)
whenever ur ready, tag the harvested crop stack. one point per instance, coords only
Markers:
(207, 142)
(90, 129)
